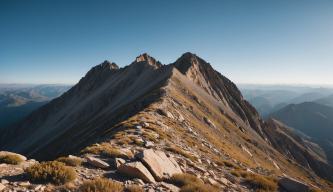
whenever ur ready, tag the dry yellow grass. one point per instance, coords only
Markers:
(180, 151)
(74, 162)
(134, 188)
(261, 183)
(10, 159)
(51, 171)
(190, 183)
(107, 150)
(101, 185)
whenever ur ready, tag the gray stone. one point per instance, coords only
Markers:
(170, 187)
(159, 164)
(4, 181)
(2, 187)
(136, 170)
(118, 162)
(97, 162)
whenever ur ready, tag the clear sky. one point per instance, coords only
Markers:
(249, 41)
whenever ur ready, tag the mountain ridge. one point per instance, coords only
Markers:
(198, 109)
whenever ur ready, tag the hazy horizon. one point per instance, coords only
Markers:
(250, 42)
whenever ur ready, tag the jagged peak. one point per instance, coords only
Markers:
(147, 59)
(188, 60)
(109, 65)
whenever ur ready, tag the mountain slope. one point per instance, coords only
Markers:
(314, 120)
(192, 111)
(95, 103)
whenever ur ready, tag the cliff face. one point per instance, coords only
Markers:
(187, 105)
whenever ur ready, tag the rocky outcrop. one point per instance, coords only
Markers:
(136, 170)
(292, 185)
(161, 166)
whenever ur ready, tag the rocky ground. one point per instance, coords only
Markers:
(131, 158)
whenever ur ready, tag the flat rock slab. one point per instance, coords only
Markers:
(292, 185)
(159, 164)
(97, 162)
(2, 187)
(136, 170)
(4, 153)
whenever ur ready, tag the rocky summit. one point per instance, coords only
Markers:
(154, 127)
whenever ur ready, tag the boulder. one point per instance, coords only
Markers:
(292, 185)
(97, 162)
(170, 187)
(118, 162)
(2, 187)
(149, 144)
(159, 164)
(4, 181)
(4, 153)
(136, 170)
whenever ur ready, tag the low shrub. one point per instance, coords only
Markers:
(51, 171)
(10, 159)
(74, 162)
(101, 185)
(134, 188)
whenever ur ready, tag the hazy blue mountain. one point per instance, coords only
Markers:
(312, 119)
(17, 101)
(326, 101)
(270, 98)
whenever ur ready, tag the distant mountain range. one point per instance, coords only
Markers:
(307, 111)
(312, 119)
(269, 99)
(17, 101)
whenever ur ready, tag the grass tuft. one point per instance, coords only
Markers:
(74, 162)
(10, 159)
(101, 185)
(107, 150)
(51, 171)
(190, 183)
(134, 188)
(261, 183)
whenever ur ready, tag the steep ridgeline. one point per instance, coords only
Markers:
(103, 97)
(186, 109)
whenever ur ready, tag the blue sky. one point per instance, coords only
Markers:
(257, 41)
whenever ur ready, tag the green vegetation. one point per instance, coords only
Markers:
(51, 171)
(74, 162)
(10, 159)
(101, 185)
(190, 183)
